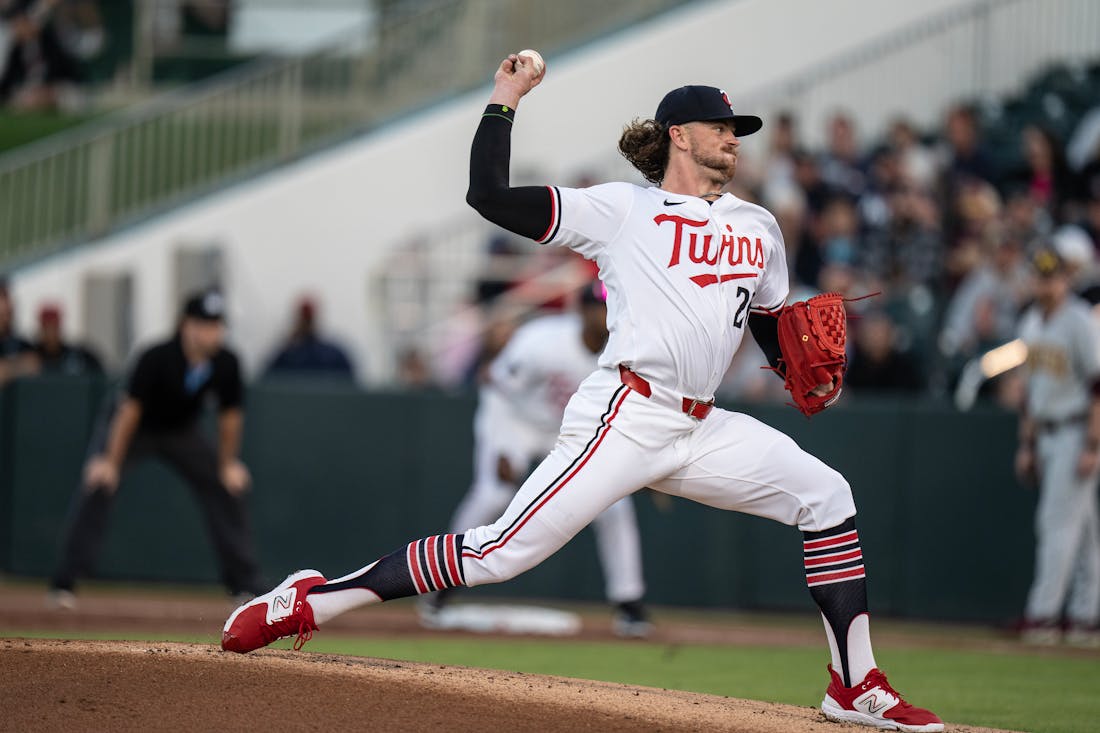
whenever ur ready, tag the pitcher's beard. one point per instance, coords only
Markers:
(721, 167)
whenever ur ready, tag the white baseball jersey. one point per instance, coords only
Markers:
(681, 276)
(540, 367)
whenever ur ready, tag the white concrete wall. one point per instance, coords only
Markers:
(324, 225)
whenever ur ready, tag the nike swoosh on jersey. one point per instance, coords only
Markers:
(672, 203)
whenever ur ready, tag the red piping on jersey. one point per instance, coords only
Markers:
(541, 504)
(553, 215)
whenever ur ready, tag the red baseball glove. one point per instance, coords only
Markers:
(811, 339)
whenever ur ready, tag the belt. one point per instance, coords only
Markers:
(1049, 426)
(698, 409)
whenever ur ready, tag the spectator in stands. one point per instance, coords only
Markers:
(976, 215)
(777, 176)
(1023, 218)
(54, 356)
(908, 249)
(877, 364)
(412, 369)
(47, 41)
(16, 353)
(833, 238)
(986, 307)
(1046, 175)
(841, 167)
(305, 353)
(964, 156)
(917, 161)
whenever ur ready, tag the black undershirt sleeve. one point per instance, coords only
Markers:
(765, 329)
(525, 210)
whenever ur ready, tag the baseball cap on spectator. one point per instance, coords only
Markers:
(205, 306)
(1048, 262)
(699, 104)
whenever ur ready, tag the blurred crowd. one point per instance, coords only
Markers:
(44, 45)
(939, 224)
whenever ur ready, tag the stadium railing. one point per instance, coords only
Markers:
(91, 180)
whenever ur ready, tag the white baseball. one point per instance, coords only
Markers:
(535, 58)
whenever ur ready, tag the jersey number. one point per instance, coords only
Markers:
(739, 317)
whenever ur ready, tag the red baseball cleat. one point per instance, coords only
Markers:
(873, 702)
(282, 612)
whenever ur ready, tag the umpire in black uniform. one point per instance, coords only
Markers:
(158, 417)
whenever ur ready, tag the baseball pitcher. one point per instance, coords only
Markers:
(688, 270)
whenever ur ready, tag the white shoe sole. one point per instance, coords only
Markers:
(837, 714)
(290, 580)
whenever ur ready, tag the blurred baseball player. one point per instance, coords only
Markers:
(518, 416)
(1060, 444)
(687, 269)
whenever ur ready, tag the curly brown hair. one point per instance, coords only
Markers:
(645, 144)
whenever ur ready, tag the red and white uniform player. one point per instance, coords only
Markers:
(687, 268)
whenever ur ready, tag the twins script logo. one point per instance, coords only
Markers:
(702, 250)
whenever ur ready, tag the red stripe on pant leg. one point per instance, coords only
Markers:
(550, 496)
(414, 567)
(452, 565)
(433, 562)
(840, 539)
(833, 559)
(837, 576)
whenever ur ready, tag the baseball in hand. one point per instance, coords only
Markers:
(535, 59)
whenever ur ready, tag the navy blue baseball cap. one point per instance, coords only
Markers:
(699, 104)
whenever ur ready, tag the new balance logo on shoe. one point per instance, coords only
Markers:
(871, 704)
(281, 605)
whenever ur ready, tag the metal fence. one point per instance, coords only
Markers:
(89, 181)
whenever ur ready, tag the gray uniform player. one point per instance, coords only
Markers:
(1060, 446)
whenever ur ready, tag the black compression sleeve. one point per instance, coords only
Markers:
(765, 329)
(526, 210)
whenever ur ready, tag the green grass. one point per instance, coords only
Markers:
(1018, 691)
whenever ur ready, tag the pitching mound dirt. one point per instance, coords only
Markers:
(140, 686)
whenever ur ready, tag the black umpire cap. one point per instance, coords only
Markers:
(699, 104)
(205, 306)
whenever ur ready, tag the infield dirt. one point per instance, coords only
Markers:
(49, 685)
